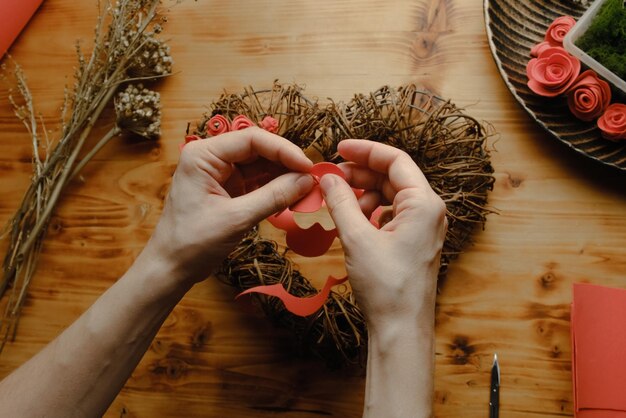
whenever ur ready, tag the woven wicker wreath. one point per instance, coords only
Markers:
(447, 145)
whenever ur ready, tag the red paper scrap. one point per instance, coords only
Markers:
(298, 306)
(598, 331)
(14, 15)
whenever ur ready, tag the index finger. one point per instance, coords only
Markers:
(240, 146)
(397, 165)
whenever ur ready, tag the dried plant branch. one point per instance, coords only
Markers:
(125, 49)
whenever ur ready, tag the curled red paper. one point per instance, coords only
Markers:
(241, 122)
(270, 124)
(218, 124)
(298, 306)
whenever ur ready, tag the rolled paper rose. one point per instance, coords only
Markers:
(269, 124)
(218, 124)
(612, 123)
(552, 72)
(539, 48)
(558, 29)
(241, 122)
(589, 96)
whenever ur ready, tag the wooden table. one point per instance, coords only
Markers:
(562, 218)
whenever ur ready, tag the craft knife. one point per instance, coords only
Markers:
(494, 393)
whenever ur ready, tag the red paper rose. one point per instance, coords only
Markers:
(612, 123)
(589, 96)
(539, 48)
(553, 72)
(558, 29)
(269, 124)
(241, 122)
(218, 124)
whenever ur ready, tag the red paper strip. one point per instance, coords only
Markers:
(297, 306)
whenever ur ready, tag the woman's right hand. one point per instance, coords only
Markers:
(393, 271)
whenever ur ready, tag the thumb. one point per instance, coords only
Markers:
(343, 205)
(276, 195)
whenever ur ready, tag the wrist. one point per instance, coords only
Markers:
(388, 332)
(400, 375)
(410, 308)
(159, 272)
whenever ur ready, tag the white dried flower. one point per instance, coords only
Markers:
(152, 59)
(138, 110)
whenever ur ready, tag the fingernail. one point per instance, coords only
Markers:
(328, 181)
(305, 183)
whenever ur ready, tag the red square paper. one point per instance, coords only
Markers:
(599, 351)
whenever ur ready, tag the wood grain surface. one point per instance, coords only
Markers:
(562, 218)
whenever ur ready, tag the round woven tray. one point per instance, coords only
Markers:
(513, 27)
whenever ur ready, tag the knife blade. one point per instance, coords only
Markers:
(494, 393)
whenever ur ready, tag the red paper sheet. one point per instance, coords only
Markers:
(14, 15)
(598, 330)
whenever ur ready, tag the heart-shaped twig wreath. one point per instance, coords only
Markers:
(447, 145)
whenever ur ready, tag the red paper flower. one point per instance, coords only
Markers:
(612, 123)
(241, 122)
(269, 124)
(218, 124)
(558, 29)
(315, 240)
(539, 48)
(589, 96)
(553, 72)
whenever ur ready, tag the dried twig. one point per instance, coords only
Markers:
(125, 49)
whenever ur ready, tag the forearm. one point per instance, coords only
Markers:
(400, 369)
(82, 370)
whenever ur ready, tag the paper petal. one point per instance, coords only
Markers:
(283, 220)
(311, 242)
(310, 203)
(314, 200)
(323, 168)
(296, 305)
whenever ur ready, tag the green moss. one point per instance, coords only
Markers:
(605, 39)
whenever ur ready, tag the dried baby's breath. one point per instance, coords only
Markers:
(125, 50)
(138, 110)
